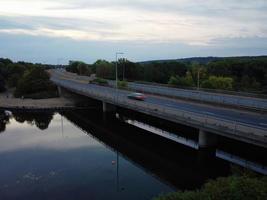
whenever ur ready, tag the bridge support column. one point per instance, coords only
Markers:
(108, 107)
(59, 91)
(206, 140)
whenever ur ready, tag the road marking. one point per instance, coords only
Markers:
(262, 124)
(209, 113)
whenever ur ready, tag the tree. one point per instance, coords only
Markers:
(105, 69)
(2, 83)
(214, 82)
(181, 81)
(34, 80)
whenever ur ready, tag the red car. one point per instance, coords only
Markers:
(137, 96)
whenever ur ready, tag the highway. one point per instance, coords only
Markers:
(248, 102)
(208, 97)
(248, 118)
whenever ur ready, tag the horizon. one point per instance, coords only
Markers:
(45, 31)
(171, 59)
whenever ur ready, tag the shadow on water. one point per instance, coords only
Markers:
(239, 153)
(173, 157)
(141, 140)
(177, 165)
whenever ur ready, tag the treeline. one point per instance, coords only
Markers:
(29, 80)
(247, 74)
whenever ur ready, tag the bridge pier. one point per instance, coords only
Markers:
(206, 140)
(59, 91)
(107, 107)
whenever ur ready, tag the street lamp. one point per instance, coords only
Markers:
(198, 76)
(58, 62)
(117, 53)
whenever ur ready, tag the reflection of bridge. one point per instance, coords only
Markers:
(210, 120)
(177, 165)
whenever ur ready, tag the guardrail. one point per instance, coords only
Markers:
(194, 119)
(237, 101)
(196, 95)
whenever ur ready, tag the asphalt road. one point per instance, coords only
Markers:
(259, 120)
(242, 101)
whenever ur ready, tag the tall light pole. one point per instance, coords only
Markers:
(117, 53)
(198, 76)
(58, 62)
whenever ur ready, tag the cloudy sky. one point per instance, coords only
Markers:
(54, 31)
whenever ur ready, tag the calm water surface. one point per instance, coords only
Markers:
(85, 155)
(65, 163)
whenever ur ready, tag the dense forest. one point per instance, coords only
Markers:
(29, 80)
(247, 74)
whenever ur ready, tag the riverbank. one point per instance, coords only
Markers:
(235, 187)
(9, 102)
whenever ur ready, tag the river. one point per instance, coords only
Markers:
(88, 155)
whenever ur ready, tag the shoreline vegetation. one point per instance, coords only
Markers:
(28, 86)
(28, 80)
(241, 185)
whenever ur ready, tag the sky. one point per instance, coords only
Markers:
(56, 31)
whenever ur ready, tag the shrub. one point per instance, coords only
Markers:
(122, 84)
(34, 80)
(230, 188)
(181, 81)
(214, 82)
(100, 81)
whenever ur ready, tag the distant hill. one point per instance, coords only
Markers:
(203, 60)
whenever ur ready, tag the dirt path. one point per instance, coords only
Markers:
(8, 101)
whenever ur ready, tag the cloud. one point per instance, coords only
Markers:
(38, 30)
(186, 21)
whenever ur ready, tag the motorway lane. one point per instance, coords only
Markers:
(249, 102)
(233, 115)
(259, 120)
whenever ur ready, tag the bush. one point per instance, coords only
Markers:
(230, 188)
(100, 81)
(122, 84)
(181, 81)
(42, 95)
(34, 80)
(222, 83)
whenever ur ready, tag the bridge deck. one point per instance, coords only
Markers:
(236, 124)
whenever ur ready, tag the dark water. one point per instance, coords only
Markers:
(85, 155)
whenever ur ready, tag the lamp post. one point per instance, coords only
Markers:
(117, 53)
(58, 62)
(198, 76)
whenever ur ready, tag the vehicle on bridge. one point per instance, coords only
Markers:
(137, 96)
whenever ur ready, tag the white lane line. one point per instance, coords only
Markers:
(209, 113)
(262, 124)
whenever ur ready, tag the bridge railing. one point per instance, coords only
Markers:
(225, 99)
(196, 119)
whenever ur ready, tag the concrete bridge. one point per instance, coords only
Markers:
(210, 120)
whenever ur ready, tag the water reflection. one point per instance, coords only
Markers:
(39, 119)
(169, 135)
(176, 165)
(68, 166)
(257, 165)
(83, 153)
(260, 168)
(4, 120)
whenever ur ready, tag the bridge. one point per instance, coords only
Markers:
(249, 127)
